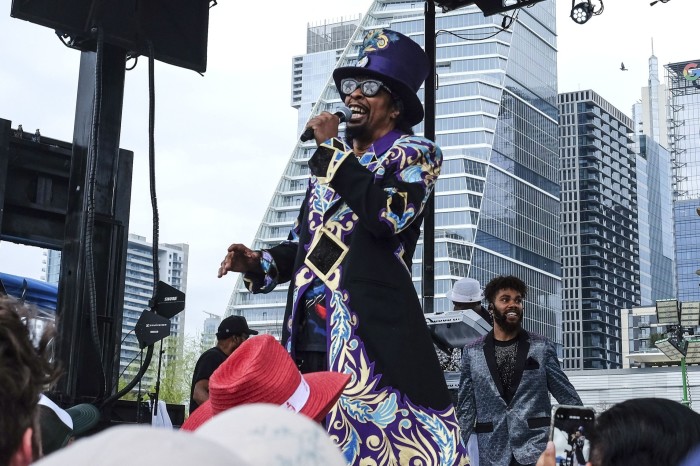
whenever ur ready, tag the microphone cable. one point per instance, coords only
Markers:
(154, 204)
(89, 258)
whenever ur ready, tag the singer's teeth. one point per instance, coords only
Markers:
(357, 110)
(511, 314)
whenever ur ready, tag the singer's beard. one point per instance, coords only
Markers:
(360, 132)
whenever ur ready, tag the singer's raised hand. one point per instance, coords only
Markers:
(325, 126)
(240, 258)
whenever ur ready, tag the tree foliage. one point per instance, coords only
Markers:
(179, 356)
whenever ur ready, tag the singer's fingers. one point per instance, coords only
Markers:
(225, 265)
(237, 247)
(325, 126)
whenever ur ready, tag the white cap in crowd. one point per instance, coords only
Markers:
(265, 434)
(136, 445)
(466, 290)
(253, 434)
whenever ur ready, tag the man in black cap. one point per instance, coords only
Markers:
(232, 331)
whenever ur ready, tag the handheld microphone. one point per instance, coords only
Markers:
(343, 113)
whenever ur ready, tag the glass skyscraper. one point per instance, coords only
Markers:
(683, 86)
(600, 237)
(497, 198)
(657, 273)
(656, 255)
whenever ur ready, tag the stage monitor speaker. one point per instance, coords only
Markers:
(178, 29)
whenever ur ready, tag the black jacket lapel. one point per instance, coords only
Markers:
(490, 355)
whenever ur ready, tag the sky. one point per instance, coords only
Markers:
(222, 140)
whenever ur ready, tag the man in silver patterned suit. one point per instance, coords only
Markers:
(506, 379)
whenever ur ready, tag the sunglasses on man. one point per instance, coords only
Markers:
(368, 87)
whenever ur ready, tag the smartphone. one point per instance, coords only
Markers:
(569, 430)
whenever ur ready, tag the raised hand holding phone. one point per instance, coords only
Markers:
(569, 429)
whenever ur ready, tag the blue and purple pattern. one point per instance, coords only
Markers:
(378, 425)
(375, 425)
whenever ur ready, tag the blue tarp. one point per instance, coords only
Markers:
(33, 291)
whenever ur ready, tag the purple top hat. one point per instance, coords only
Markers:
(395, 60)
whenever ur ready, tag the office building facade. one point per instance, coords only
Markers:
(599, 221)
(497, 198)
(683, 85)
(657, 272)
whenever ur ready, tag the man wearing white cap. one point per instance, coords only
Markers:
(466, 294)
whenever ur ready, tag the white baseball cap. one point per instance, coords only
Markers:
(143, 446)
(270, 435)
(466, 290)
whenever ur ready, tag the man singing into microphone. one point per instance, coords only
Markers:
(352, 306)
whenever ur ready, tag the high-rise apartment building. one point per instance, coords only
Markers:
(683, 86)
(51, 270)
(209, 329)
(138, 289)
(599, 224)
(497, 198)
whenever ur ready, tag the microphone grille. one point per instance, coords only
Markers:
(344, 114)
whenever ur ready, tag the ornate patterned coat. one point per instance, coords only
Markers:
(514, 424)
(357, 231)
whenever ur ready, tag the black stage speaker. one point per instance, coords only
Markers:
(178, 29)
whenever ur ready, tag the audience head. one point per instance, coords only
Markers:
(143, 446)
(261, 371)
(232, 332)
(644, 432)
(502, 283)
(26, 372)
(59, 426)
(249, 435)
(466, 293)
(271, 435)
